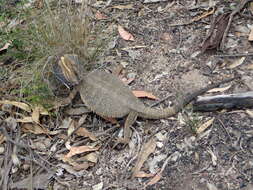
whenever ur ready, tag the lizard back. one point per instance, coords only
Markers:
(106, 95)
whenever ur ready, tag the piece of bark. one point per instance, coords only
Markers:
(229, 101)
(216, 32)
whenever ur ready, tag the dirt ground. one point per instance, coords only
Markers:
(163, 59)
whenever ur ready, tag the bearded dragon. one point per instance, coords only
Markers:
(106, 95)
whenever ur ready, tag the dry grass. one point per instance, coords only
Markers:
(53, 31)
(61, 30)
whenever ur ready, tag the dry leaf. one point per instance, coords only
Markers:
(80, 149)
(85, 133)
(110, 119)
(92, 157)
(124, 34)
(204, 126)
(144, 94)
(147, 149)
(20, 105)
(142, 174)
(250, 113)
(36, 115)
(72, 126)
(5, 46)
(82, 120)
(2, 138)
(2, 149)
(237, 63)
(100, 16)
(222, 89)
(251, 7)
(98, 186)
(84, 162)
(121, 7)
(33, 128)
(213, 156)
(25, 120)
(127, 81)
(251, 34)
(67, 160)
(65, 123)
(82, 166)
(71, 170)
(155, 179)
(42, 110)
(250, 66)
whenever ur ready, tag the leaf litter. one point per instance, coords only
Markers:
(89, 163)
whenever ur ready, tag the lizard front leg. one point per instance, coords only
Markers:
(66, 101)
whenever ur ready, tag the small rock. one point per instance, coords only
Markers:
(159, 144)
(131, 75)
(98, 186)
(26, 166)
(195, 54)
(2, 150)
(112, 44)
(211, 186)
(209, 64)
(134, 53)
(166, 36)
(99, 171)
(153, 164)
(175, 156)
(160, 136)
(124, 64)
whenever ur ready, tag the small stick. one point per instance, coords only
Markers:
(160, 101)
(235, 55)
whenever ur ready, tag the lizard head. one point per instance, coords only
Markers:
(70, 68)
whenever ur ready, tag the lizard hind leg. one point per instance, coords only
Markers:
(130, 119)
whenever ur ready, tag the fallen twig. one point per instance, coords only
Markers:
(215, 34)
(153, 1)
(195, 19)
(229, 101)
(235, 55)
(160, 101)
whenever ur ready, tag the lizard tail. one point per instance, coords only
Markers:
(152, 113)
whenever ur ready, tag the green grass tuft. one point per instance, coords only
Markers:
(55, 30)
